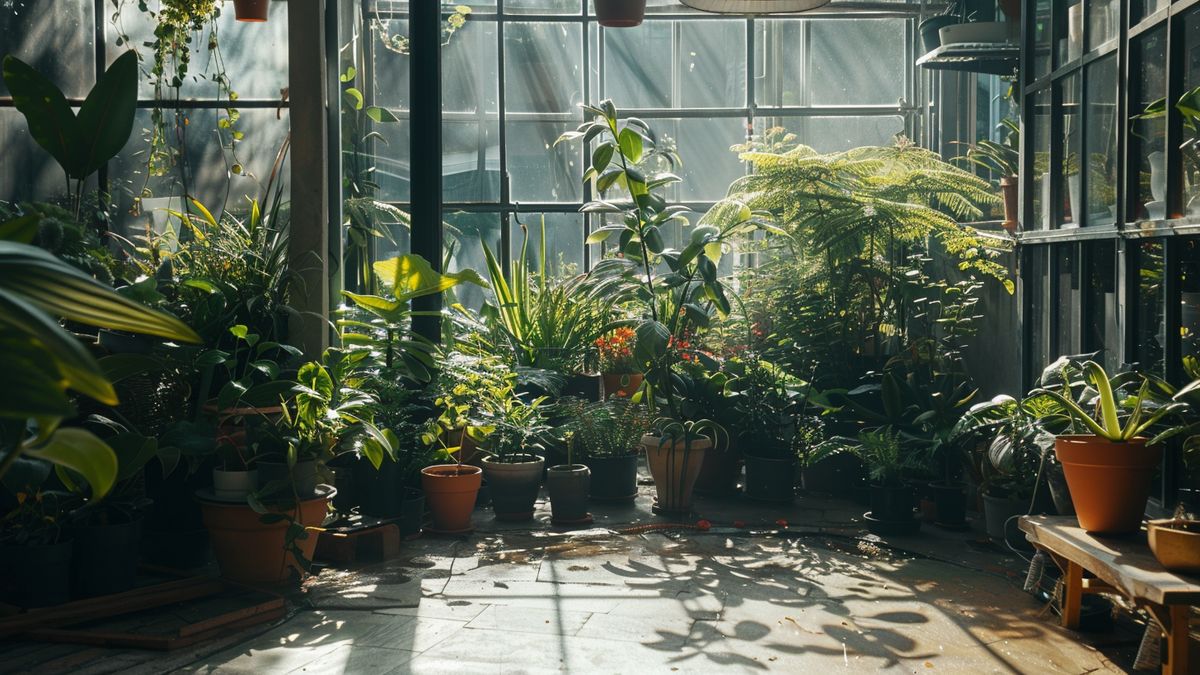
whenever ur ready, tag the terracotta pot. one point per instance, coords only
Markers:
(1109, 482)
(620, 13)
(515, 486)
(1009, 189)
(675, 469)
(450, 493)
(251, 10)
(622, 385)
(306, 476)
(1176, 543)
(231, 427)
(249, 551)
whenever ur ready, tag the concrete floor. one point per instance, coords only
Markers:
(817, 597)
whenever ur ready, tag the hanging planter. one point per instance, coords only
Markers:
(620, 13)
(252, 11)
(753, 6)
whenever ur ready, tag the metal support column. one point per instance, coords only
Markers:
(425, 37)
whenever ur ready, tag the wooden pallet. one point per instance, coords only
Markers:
(358, 537)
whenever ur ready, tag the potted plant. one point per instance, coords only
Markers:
(887, 459)
(393, 490)
(568, 485)
(620, 13)
(35, 553)
(676, 302)
(711, 398)
(608, 434)
(622, 375)
(930, 28)
(769, 402)
(450, 489)
(254, 11)
(512, 465)
(1003, 160)
(1109, 470)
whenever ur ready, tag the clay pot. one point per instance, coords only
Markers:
(1176, 543)
(1109, 482)
(450, 492)
(620, 13)
(675, 469)
(305, 476)
(515, 486)
(567, 485)
(622, 385)
(614, 479)
(249, 551)
(1009, 189)
(251, 10)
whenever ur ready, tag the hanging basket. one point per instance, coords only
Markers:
(753, 6)
(254, 11)
(620, 13)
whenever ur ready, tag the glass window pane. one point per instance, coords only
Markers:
(637, 65)
(1189, 286)
(389, 156)
(539, 170)
(1103, 19)
(1140, 9)
(1101, 333)
(1066, 309)
(1039, 141)
(1191, 136)
(1041, 37)
(1070, 31)
(26, 170)
(470, 76)
(542, 6)
(465, 231)
(1147, 138)
(1037, 293)
(709, 166)
(41, 36)
(1069, 169)
(1101, 141)
(543, 66)
(664, 64)
(389, 68)
(1151, 301)
(857, 62)
(470, 161)
(564, 241)
(712, 64)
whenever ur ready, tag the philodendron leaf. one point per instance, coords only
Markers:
(51, 121)
(85, 454)
(105, 119)
(411, 276)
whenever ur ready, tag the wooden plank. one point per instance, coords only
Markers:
(155, 642)
(1176, 662)
(1125, 563)
(231, 617)
(1072, 596)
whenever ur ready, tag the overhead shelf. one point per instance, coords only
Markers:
(993, 58)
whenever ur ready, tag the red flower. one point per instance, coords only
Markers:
(703, 525)
(739, 524)
(782, 523)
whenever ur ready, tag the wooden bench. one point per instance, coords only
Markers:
(1122, 565)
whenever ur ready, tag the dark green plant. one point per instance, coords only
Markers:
(606, 429)
(80, 142)
(1002, 159)
(767, 403)
(35, 521)
(1118, 416)
(55, 230)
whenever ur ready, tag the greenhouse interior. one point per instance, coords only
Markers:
(599, 336)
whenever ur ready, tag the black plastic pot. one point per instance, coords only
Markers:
(515, 486)
(719, 472)
(380, 491)
(892, 503)
(587, 387)
(614, 479)
(839, 475)
(770, 479)
(567, 485)
(950, 500)
(412, 513)
(105, 559)
(1059, 491)
(930, 27)
(173, 533)
(36, 576)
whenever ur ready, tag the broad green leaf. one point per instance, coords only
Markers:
(382, 115)
(85, 454)
(50, 118)
(105, 119)
(21, 230)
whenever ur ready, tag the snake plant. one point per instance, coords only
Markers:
(1107, 421)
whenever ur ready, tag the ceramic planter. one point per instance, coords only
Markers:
(567, 485)
(451, 491)
(675, 469)
(999, 514)
(1009, 186)
(770, 479)
(36, 576)
(719, 472)
(617, 385)
(614, 479)
(620, 13)
(515, 486)
(251, 10)
(930, 30)
(249, 551)
(234, 486)
(1109, 482)
(105, 558)
(1176, 543)
(305, 476)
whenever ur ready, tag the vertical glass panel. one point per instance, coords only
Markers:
(835, 134)
(1069, 183)
(1037, 293)
(470, 75)
(1039, 143)
(665, 64)
(542, 6)
(1101, 332)
(1041, 37)
(470, 160)
(637, 65)
(389, 156)
(1103, 20)
(465, 232)
(1070, 30)
(712, 64)
(1100, 146)
(1147, 138)
(779, 62)
(26, 170)
(543, 66)
(1191, 132)
(1140, 9)
(703, 144)
(1151, 300)
(564, 241)
(538, 170)
(389, 65)
(875, 74)
(43, 36)
(1189, 286)
(1066, 308)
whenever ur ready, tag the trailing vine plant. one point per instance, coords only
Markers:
(401, 44)
(179, 25)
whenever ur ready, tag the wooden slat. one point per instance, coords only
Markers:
(1125, 563)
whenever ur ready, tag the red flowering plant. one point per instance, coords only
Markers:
(615, 351)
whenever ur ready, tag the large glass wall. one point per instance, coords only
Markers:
(515, 72)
